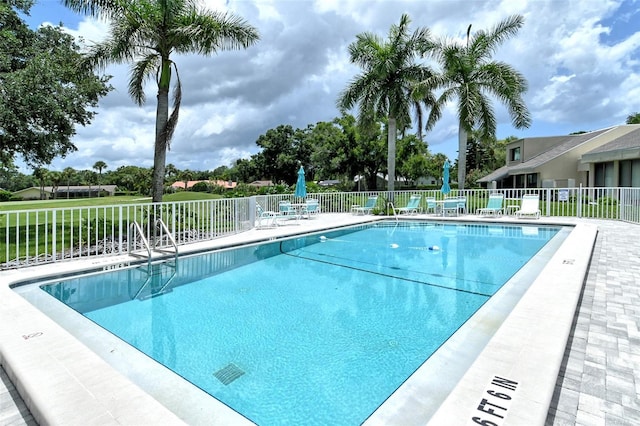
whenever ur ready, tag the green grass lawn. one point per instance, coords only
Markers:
(79, 222)
(102, 201)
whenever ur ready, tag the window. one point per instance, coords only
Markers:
(514, 154)
(604, 174)
(532, 180)
(629, 175)
(519, 181)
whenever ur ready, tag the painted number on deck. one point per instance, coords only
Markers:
(495, 403)
(32, 335)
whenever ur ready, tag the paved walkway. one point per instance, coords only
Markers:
(599, 383)
(13, 411)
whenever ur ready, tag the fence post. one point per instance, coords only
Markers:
(54, 241)
(579, 203)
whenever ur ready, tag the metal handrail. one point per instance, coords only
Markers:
(133, 228)
(165, 229)
(393, 209)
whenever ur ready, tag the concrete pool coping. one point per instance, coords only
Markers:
(62, 381)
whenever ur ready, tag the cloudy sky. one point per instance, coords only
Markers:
(580, 57)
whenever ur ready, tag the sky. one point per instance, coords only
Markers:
(580, 58)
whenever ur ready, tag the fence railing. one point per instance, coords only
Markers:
(31, 237)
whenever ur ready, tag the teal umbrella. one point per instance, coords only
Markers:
(445, 179)
(301, 185)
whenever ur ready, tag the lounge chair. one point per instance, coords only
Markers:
(494, 206)
(366, 209)
(265, 218)
(412, 207)
(311, 208)
(431, 205)
(530, 206)
(450, 205)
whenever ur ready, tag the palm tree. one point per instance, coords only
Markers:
(470, 76)
(56, 179)
(385, 88)
(148, 32)
(67, 173)
(99, 165)
(41, 174)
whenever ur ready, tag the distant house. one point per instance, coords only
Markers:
(401, 183)
(602, 158)
(223, 183)
(260, 183)
(63, 192)
(329, 182)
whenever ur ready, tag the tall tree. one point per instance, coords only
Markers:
(149, 31)
(283, 150)
(99, 166)
(385, 88)
(56, 179)
(471, 77)
(40, 173)
(44, 94)
(67, 174)
(413, 157)
(633, 118)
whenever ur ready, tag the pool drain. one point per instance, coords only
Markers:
(228, 374)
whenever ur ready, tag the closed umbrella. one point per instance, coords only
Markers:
(301, 186)
(445, 179)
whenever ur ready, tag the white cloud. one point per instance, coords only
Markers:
(579, 57)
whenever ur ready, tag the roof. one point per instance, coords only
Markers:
(626, 146)
(227, 184)
(499, 174)
(71, 188)
(563, 144)
(260, 183)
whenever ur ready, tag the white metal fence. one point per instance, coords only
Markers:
(30, 237)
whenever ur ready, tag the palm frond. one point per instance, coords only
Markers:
(142, 71)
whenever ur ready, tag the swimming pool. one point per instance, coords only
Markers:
(344, 319)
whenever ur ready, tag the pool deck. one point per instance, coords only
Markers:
(593, 380)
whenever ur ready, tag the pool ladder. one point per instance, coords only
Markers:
(135, 230)
(155, 271)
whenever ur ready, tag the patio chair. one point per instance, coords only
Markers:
(530, 206)
(431, 205)
(450, 205)
(367, 208)
(312, 208)
(286, 211)
(462, 205)
(412, 207)
(494, 206)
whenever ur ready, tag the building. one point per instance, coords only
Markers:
(260, 183)
(226, 184)
(64, 191)
(603, 158)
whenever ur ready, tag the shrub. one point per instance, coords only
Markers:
(200, 187)
(5, 195)
(607, 201)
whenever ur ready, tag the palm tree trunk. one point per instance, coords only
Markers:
(462, 155)
(391, 156)
(160, 153)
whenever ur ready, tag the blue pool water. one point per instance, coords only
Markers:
(318, 329)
